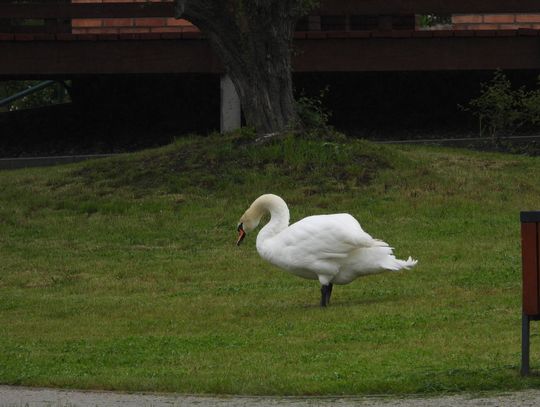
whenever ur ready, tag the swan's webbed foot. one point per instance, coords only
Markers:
(326, 292)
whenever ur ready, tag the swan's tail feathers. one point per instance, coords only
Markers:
(396, 264)
(409, 263)
(380, 243)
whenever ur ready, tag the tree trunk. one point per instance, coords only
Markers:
(253, 39)
(263, 80)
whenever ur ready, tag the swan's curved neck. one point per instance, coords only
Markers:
(279, 215)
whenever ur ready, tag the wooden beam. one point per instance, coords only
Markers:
(417, 54)
(396, 7)
(86, 10)
(45, 58)
(328, 7)
(55, 58)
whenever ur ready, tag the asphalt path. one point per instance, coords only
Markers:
(11, 396)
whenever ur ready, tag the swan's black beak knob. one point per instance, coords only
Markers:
(241, 234)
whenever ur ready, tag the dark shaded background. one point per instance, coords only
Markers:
(126, 113)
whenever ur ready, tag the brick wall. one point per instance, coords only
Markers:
(495, 21)
(128, 25)
(162, 25)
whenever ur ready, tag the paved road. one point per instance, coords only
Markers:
(29, 397)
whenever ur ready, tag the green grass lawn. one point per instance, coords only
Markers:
(123, 273)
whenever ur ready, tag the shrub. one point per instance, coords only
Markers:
(501, 109)
(312, 113)
(44, 97)
(433, 20)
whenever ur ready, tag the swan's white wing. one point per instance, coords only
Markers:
(320, 243)
(334, 235)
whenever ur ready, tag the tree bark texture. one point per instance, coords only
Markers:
(253, 39)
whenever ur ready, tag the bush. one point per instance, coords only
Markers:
(312, 113)
(44, 97)
(433, 20)
(502, 110)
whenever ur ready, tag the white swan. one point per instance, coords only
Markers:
(330, 248)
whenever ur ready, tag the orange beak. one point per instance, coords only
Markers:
(241, 235)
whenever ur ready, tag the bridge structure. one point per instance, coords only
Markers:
(339, 36)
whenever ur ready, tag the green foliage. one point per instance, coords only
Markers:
(128, 270)
(312, 113)
(298, 8)
(498, 107)
(304, 7)
(501, 109)
(431, 20)
(44, 97)
(531, 106)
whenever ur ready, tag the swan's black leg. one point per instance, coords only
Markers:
(329, 293)
(324, 290)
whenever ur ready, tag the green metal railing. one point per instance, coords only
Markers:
(36, 88)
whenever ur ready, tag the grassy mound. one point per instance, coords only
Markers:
(122, 273)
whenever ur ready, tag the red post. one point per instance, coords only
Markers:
(530, 254)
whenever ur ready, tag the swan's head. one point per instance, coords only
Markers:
(247, 223)
(263, 204)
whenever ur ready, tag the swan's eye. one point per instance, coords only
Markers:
(240, 227)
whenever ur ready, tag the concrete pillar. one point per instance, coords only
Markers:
(230, 106)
